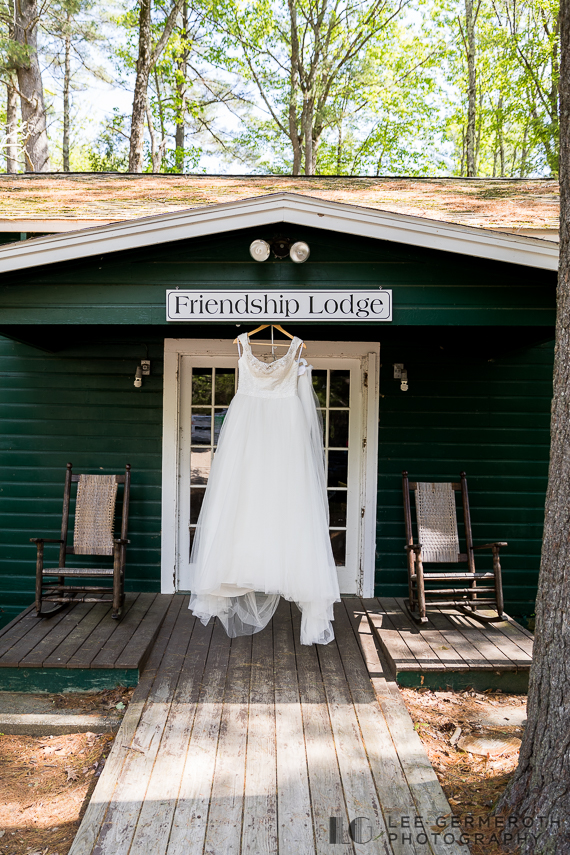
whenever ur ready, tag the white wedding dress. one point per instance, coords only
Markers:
(263, 532)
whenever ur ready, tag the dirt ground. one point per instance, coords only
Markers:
(46, 782)
(471, 782)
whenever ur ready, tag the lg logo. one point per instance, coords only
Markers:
(360, 830)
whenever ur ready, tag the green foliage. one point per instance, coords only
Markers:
(343, 87)
(348, 81)
(110, 151)
(517, 86)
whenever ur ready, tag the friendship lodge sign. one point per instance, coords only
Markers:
(314, 305)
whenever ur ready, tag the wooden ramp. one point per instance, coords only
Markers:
(259, 745)
(452, 649)
(82, 647)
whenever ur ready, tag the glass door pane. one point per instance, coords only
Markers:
(212, 390)
(332, 388)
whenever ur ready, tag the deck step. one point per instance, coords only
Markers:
(452, 649)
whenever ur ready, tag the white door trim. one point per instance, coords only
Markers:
(367, 352)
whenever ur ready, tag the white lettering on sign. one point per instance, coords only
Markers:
(319, 305)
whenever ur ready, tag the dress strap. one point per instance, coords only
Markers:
(300, 351)
(241, 344)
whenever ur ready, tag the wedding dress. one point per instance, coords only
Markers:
(263, 532)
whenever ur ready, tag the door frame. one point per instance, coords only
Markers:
(369, 355)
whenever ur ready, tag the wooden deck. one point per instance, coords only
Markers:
(453, 649)
(82, 647)
(252, 745)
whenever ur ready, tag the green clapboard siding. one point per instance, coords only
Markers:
(467, 410)
(479, 395)
(82, 407)
(430, 287)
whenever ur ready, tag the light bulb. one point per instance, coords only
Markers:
(299, 252)
(259, 250)
(138, 377)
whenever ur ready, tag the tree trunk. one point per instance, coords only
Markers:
(66, 106)
(308, 137)
(470, 47)
(500, 136)
(294, 135)
(141, 86)
(181, 87)
(540, 789)
(36, 150)
(145, 62)
(11, 128)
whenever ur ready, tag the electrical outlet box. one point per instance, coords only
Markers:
(145, 365)
(398, 368)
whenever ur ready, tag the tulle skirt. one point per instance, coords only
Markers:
(263, 533)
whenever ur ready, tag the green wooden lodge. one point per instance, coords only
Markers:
(471, 322)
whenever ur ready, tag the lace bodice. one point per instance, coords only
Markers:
(268, 379)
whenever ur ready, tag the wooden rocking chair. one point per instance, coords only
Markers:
(438, 542)
(93, 535)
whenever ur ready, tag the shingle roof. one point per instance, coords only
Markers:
(490, 203)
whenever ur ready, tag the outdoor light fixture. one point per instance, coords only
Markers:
(299, 252)
(143, 370)
(401, 374)
(281, 247)
(259, 250)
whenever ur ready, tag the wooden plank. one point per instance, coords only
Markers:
(365, 635)
(19, 628)
(521, 629)
(358, 783)
(427, 658)
(60, 656)
(153, 828)
(489, 651)
(514, 632)
(118, 827)
(428, 798)
(260, 794)
(137, 648)
(360, 660)
(518, 635)
(327, 796)
(461, 641)
(190, 819)
(473, 629)
(441, 645)
(58, 633)
(428, 795)
(10, 626)
(226, 807)
(295, 822)
(26, 643)
(112, 635)
(399, 655)
(90, 826)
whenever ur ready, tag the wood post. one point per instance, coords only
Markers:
(39, 575)
(468, 538)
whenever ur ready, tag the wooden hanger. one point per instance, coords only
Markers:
(273, 343)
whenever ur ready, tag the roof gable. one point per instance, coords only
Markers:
(284, 207)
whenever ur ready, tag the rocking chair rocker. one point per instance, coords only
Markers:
(438, 542)
(93, 535)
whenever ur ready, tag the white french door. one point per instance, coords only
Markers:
(199, 386)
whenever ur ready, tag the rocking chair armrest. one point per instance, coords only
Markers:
(491, 545)
(45, 540)
(121, 541)
(415, 547)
